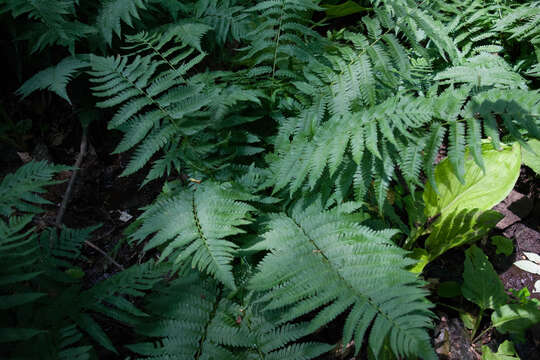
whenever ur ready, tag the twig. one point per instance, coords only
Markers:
(104, 254)
(67, 194)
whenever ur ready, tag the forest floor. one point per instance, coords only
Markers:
(101, 197)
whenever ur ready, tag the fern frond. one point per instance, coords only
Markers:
(113, 12)
(55, 24)
(54, 78)
(228, 20)
(483, 70)
(309, 267)
(281, 36)
(21, 190)
(195, 320)
(522, 23)
(205, 218)
(359, 135)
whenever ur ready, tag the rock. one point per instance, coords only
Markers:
(452, 340)
(515, 207)
(526, 239)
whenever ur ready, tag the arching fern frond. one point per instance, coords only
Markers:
(204, 219)
(227, 18)
(365, 137)
(483, 70)
(324, 261)
(522, 23)
(152, 92)
(54, 78)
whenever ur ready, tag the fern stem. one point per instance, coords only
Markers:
(210, 319)
(277, 38)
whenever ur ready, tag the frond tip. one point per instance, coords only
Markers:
(54, 78)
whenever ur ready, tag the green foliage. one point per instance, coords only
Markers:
(21, 191)
(113, 12)
(481, 285)
(54, 78)
(506, 351)
(460, 211)
(194, 320)
(480, 189)
(531, 156)
(205, 218)
(294, 144)
(309, 268)
(516, 318)
(504, 245)
(45, 312)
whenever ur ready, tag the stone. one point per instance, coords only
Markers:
(515, 207)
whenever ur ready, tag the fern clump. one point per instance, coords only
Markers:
(292, 138)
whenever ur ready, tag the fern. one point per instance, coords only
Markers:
(483, 70)
(54, 78)
(39, 277)
(113, 12)
(227, 19)
(324, 260)
(194, 320)
(55, 24)
(21, 191)
(280, 35)
(206, 217)
(522, 23)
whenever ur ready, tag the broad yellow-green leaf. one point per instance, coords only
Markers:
(458, 229)
(532, 158)
(481, 285)
(480, 191)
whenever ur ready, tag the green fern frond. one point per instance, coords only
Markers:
(356, 136)
(205, 218)
(21, 190)
(483, 70)
(113, 12)
(55, 24)
(195, 320)
(228, 20)
(54, 78)
(309, 268)
(522, 23)
(281, 36)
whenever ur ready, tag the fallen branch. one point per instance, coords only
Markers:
(67, 194)
(104, 254)
(67, 197)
